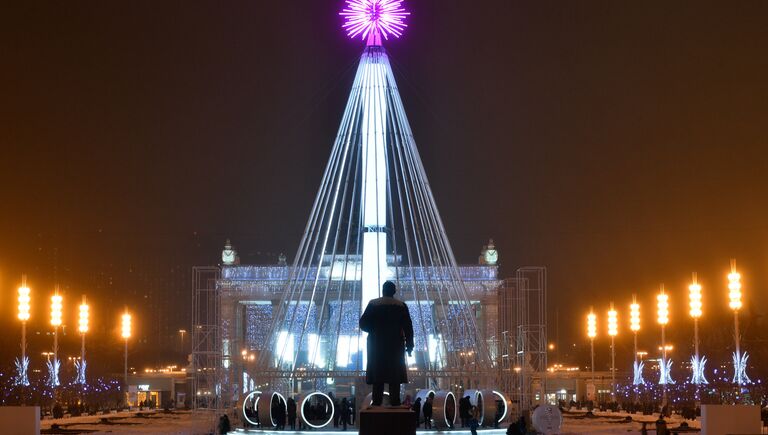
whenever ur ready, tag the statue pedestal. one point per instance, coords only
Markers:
(383, 420)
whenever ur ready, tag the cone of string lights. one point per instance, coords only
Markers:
(613, 330)
(591, 334)
(82, 328)
(665, 365)
(125, 332)
(697, 362)
(634, 326)
(734, 295)
(22, 365)
(55, 364)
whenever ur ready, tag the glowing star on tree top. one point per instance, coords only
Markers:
(373, 19)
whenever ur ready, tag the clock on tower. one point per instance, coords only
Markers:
(228, 255)
(491, 254)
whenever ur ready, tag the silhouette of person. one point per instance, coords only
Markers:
(390, 334)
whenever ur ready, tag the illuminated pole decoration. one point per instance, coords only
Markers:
(665, 365)
(634, 326)
(739, 360)
(697, 362)
(22, 365)
(126, 334)
(82, 328)
(613, 330)
(55, 364)
(592, 333)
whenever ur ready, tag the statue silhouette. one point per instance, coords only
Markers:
(390, 334)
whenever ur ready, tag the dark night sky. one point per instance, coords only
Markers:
(621, 144)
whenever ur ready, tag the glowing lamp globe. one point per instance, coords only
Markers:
(634, 317)
(694, 297)
(662, 308)
(374, 19)
(591, 325)
(613, 322)
(24, 303)
(56, 310)
(126, 326)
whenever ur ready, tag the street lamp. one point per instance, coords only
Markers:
(126, 334)
(182, 332)
(82, 327)
(592, 333)
(22, 365)
(734, 294)
(662, 317)
(697, 362)
(634, 326)
(53, 366)
(613, 330)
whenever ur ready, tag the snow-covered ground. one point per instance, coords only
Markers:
(187, 423)
(178, 422)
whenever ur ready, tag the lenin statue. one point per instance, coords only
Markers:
(390, 334)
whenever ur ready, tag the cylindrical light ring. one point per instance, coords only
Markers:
(301, 410)
(255, 407)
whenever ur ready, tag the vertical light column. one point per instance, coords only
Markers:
(53, 366)
(374, 174)
(734, 295)
(22, 365)
(126, 334)
(592, 333)
(82, 328)
(662, 312)
(634, 326)
(613, 330)
(697, 362)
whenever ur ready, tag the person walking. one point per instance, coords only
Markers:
(292, 413)
(417, 410)
(474, 419)
(464, 410)
(335, 414)
(344, 413)
(427, 413)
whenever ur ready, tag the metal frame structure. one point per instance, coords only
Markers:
(523, 337)
(531, 336)
(207, 362)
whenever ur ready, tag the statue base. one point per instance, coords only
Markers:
(385, 420)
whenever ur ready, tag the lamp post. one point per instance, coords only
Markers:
(22, 365)
(126, 334)
(613, 330)
(662, 312)
(82, 327)
(697, 362)
(53, 366)
(592, 333)
(182, 332)
(634, 326)
(734, 294)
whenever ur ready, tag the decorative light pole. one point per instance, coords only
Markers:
(55, 364)
(697, 362)
(665, 366)
(82, 328)
(634, 326)
(613, 330)
(592, 333)
(22, 365)
(126, 334)
(739, 360)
